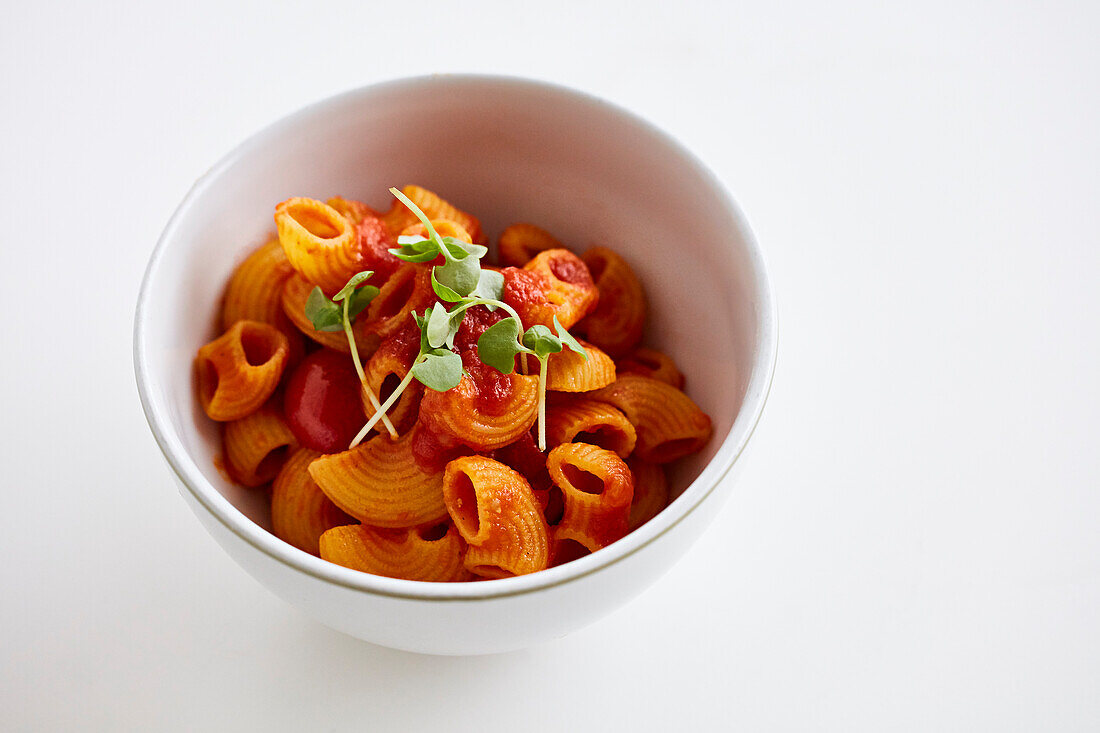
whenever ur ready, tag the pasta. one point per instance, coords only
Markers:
(408, 289)
(654, 364)
(295, 292)
(254, 294)
(240, 369)
(300, 511)
(650, 492)
(319, 241)
(443, 227)
(466, 416)
(256, 445)
(497, 514)
(385, 370)
(399, 217)
(412, 554)
(439, 422)
(568, 371)
(668, 423)
(616, 323)
(555, 284)
(587, 421)
(380, 484)
(353, 211)
(519, 243)
(597, 488)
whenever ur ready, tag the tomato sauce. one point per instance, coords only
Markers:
(375, 242)
(571, 269)
(524, 288)
(432, 451)
(492, 391)
(405, 344)
(524, 457)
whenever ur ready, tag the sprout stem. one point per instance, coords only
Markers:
(359, 370)
(542, 401)
(381, 413)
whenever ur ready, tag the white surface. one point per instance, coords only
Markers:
(915, 542)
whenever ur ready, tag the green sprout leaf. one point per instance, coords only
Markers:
(568, 340)
(490, 286)
(439, 327)
(422, 324)
(460, 249)
(416, 249)
(542, 341)
(417, 243)
(413, 256)
(323, 313)
(460, 276)
(498, 346)
(360, 299)
(445, 293)
(356, 280)
(440, 369)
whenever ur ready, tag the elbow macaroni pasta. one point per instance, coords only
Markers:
(568, 371)
(443, 227)
(353, 211)
(296, 290)
(587, 421)
(408, 289)
(668, 423)
(457, 414)
(380, 483)
(462, 493)
(616, 323)
(300, 511)
(254, 293)
(386, 368)
(497, 514)
(519, 243)
(320, 242)
(399, 217)
(411, 554)
(240, 369)
(256, 445)
(568, 291)
(654, 364)
(650, 491)
(597, 488)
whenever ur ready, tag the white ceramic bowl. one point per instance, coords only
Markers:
(507, 150)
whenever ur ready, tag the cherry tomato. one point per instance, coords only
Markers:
(322, 402)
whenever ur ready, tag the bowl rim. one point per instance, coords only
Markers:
(183, 465)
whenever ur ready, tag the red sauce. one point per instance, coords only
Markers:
(375, 242)
(492, 390)
(525, 457)
(322, 403)
(571, 269)
(405, 343)
(431, 451)
(524, 287)
(474, 323)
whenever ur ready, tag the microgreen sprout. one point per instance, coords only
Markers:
(499, 346)
(327, 316)
(435, 366)
(462, 282)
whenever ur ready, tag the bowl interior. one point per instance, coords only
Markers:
(506, 151)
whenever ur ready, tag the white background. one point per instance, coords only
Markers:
(915, 544)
